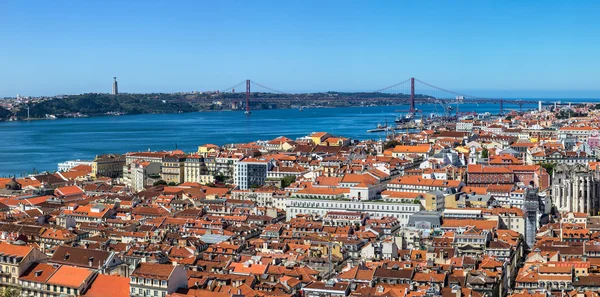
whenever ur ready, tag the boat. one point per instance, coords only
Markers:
(301, 108)
(247, 112)
(380, 128)
(404, 119)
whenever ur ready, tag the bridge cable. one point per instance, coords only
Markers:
(392, 86)
(452, 92)
(265, 87)
(233, 87)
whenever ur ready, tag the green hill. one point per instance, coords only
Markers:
(99, 104)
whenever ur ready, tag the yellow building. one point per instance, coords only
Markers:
(172, 169)
(322, 250)
(207, 149)
(434, 201)
(319, 137)
(109, 165)
(15, 260)
(337, 141)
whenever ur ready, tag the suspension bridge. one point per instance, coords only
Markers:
(411, 91)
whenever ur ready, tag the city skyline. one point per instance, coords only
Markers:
(530, 50)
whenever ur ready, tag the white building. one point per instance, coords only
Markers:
(152, 279)
(140, 173)
(375, 208)
(251, 172)
(464, 126)
(68, 165)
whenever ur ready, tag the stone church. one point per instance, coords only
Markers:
(576, 188)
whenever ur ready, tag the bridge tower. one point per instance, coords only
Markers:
(412, 95)
(247, 96)
(501, 106)
(520, 105)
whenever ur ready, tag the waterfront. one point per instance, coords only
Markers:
(43, 144)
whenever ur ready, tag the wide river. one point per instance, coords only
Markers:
(41, 145)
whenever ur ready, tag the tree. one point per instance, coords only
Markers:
(390, 144)
(4, 113)
(287, 181)
(10, 292)
(160, 183)
(220, 178)
(484, 153)
(549, 167)
(172, 184)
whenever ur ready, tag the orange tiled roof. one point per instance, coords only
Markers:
(70, 276)
(8, 249)
(108, 285)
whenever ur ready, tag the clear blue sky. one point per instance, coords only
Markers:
(490, 48)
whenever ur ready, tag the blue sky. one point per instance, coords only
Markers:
(489, 48)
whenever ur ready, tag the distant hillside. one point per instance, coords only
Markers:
(99, 104)
(102, 104)
(4, 114)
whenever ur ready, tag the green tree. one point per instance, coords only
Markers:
(390, 144)
(220, 178)
(160, 183)
(10, 292)
(4, 114)
(172, 184)
(287, 181)
(484, 153)
(549, 167)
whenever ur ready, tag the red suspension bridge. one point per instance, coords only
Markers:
(427, 94)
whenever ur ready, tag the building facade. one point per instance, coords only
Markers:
(68, 165)
(196, 170)
(576, 188)
(374, 208)
(172, 169)
(109, 165)
(250, 172)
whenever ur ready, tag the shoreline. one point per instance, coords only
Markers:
(185, 112)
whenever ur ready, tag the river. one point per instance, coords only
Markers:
(41, 145)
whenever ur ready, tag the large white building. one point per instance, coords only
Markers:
(68, 165)
(139, 174)
(251, 172)
(464, 126)
(581, 133)
(374, 208)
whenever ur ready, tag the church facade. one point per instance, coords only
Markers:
(576, 188)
